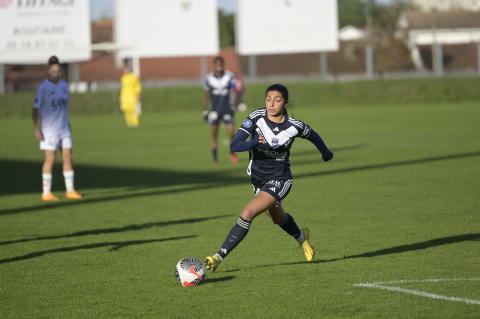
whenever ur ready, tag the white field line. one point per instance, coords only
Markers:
(383, 286)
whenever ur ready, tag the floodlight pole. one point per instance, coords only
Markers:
(437, 53)
(323, 65)
(74, 75)
(369, 48)
(252, 67)
(438, 59)
(203, 67)
(136, 66)
(369, 60)
(478, 58)
(2, 79)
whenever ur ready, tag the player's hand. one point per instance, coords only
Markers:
(205, 115)
(261, 138)
(327, 156)
(38, 135)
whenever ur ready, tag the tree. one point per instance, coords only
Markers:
(226, 25)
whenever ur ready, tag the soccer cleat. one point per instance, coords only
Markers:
(212, 262)
(308, 249)
(73, 195)
(49, 198)
(234, 158)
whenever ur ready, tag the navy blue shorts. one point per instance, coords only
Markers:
(215, 117)
(278, 188)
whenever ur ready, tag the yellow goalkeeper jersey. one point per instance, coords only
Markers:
(131, 88)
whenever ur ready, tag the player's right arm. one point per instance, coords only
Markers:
(240, 143)
(36, 114)
(206, 98)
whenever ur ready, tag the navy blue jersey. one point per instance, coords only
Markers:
(271, 160)
(219, 89)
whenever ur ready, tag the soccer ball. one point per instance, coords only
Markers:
(190, 272)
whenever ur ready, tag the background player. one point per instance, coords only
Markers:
(130, 97)
(219, 94)
(51, 125)
(272, 134)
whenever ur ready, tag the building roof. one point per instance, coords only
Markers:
(417, 20)
(351, 33)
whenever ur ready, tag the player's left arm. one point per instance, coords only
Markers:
(310, 134)
(233, 93)
(138, 88)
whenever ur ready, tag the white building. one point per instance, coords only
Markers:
(438, 28)
(446, 5)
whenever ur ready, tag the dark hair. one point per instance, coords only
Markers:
(218, 59)
(53, 60)
(279, 88)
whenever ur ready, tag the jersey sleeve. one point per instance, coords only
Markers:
(305, 129)
(37, 102)
(248, 124)
(206, 86)
(232, 82)
(138, 86)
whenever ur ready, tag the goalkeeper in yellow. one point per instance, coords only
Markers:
(130, 97)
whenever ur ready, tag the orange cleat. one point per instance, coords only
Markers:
(49, 198)
(73, 195)
(234, 158)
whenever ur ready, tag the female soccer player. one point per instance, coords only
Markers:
(271, 133)
(219, 93)
(130, 97)
(51, 125)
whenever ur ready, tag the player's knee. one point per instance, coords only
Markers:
(248, 213)
(49, 158)
(277, 219)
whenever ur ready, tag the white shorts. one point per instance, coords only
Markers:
(52, 142)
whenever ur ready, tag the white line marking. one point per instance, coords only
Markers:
(382, 285)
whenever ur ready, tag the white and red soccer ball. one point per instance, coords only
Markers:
(190, 272)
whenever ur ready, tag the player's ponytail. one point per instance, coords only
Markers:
(53, 60)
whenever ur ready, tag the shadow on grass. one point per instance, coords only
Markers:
(22, 176)
(18, 174)
(116, 245)
(218, 279)
(313, 151)
(112, 230)
(392, 250)
(391, 164)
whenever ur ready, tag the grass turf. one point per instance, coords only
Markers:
(400, 201)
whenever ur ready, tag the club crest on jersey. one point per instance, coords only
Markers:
(275, 141)
(247, 123)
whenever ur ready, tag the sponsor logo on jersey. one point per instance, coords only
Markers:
(276, 129)
(247, 123)
(278, 155)
(273, 189)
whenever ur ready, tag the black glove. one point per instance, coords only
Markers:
(205, 115)
(327, 156)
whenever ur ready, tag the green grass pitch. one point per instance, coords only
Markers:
(400, 203)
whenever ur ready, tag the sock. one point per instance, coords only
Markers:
(68, 175)
(290, 226)
(234, 237)
(46, 183)
(215, 154)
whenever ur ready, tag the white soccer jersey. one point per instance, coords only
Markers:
(219, 89)
(52, 101)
